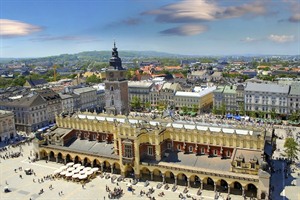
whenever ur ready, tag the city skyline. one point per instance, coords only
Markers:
(46, 28)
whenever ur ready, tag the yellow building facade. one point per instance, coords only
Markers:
(212, 158)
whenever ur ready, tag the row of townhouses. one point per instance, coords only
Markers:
(259, 97)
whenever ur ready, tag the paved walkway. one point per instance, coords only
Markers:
(24, 188)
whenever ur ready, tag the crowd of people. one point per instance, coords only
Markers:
(116, 193)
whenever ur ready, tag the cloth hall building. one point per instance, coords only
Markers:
(176, 152)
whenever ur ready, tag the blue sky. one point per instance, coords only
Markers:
(35, 28)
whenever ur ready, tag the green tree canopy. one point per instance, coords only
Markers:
(291, 149)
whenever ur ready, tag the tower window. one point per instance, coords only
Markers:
(112, 101)
(111, 88)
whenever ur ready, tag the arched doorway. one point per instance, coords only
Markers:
(43, 155)
(86, 162)
(117, 168)
(68, 158)
(60, 158)
(106, 167)
(182, 179)
(208, 184)
(263, 195)
(157, 175)
(77, 160)
(169, 177)
(222, 186)
(96, 163)
(52, 156)
(236, 189)
(251, 190)
(145, 174)
(195, 181)
(129, 171)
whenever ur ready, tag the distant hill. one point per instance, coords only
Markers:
(100, 56)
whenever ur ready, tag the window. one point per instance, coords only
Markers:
(112, 101)
(94, 136)
(238, 164)
(228, 153)
(169, 145)
(202, 150)
(190, 149)
(128, 151)
(150, 150)
(178, 147)
(111, 88)
(103, 137)
(215, 152)
(252, 165)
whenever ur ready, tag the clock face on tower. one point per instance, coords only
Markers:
(111, 74)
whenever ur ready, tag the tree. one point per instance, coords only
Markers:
(291, 149)
(295, 116)
(93, 79)
(135, 103)
(223, 109)
(147, 105)
(214, 110)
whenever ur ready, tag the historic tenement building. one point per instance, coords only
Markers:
(7, 125)
(212, 158)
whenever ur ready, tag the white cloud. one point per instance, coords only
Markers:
(204, 10)
(249, 39)
(281, 38)
(185, 30)
(12, 28)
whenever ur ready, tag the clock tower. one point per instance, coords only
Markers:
(116, 86)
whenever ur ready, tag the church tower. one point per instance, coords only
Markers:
(116, 86)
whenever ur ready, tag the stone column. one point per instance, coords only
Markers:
(201, 184)
(56, 159)
(228, 189)
(65, 160)
(151, 175)
(49, 157)
(164, 180)
(188, 182)
(243, 191)
(112, 169)
(92, 164)
(215, 187)
(102, 166)
(175, 178)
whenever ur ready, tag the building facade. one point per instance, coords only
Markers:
(67, 103)
(30, 112)
(203, 100)
(116, 86)
(211, 158)
(87, 98)
(54, 105)
(294, 98)
(7, 125)
(266, 97)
